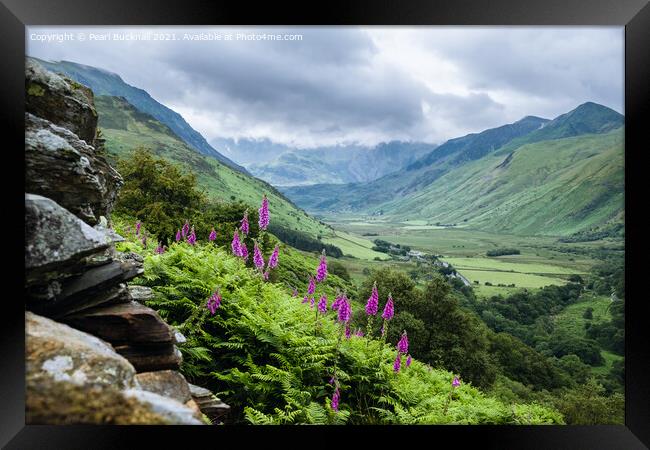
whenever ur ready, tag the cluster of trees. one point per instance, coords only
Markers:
(390, 248)
(163, 196)
(503, 251)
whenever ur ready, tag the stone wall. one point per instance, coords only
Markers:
(95, 354)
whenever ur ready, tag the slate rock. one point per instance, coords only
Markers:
(60, 100)
(148, 358)
(168, 383)
(170, 409)
(66, 169)
(56, 352)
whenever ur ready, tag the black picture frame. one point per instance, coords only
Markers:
(633, 14)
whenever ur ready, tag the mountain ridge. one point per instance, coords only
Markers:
(105, 82)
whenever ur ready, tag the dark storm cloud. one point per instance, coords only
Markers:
(344, 85)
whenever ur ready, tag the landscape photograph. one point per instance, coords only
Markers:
(325, 225)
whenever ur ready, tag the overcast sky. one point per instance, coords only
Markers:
(363, 85)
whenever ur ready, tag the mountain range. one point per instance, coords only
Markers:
(103, 82)
(534, 176)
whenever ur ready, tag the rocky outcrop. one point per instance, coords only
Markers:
(60, 100)
(66, 169)
(82, 367)
(73, 377)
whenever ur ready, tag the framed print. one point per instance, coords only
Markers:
(362, 217)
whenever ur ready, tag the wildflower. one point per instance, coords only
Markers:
(345, 311)
(244, 223)
(243, 250)
(258, 259)
(213, 234)
(191, 239)
(214, 302)
(389, 310)
(178, 235)
(331, 380)
(273, 259)
(236, 245)
(264, 213)
(403, 344)
(160, 249)
(348, 332)
(312, 286)
(408, 361)
(359, 333)
(295, 292)
(373, 301)
(335, 400)
(336, 303)
(321, 273)
(186, 228)
(322, 304)
(266, 274)
(311, 302)
(305, 299)
(144, 241)
(456, 382)
(398, 362)
(137, 228)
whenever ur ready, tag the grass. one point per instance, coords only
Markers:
(524, 280)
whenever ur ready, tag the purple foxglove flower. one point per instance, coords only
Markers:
(144, 241)
(266, 274)
(398, 363)
(383, 330)
(373, 301)
(235, 244)
(345, 310)
(311, 302)
(178, 235)
(273, 259)
(294, 293)
(186, 228)
(214, 302)
(389, 310)
(243, 250)
(322, 305)
(244, 223)
(137, 228)
(403, 344)
(336, 303)
(160, 249)
(213, 234)
(348, 332)
(335, 400)
(312, 286)
(332, 380)
(408, 361)
(191, 239)
(305, 299)
(321, 273)
(456, 382)
(359, 333)
(264, 213)
(258, 259)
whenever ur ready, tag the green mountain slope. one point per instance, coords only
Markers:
(103, 82)
(530, 177)
(556, 187)
(124, 127)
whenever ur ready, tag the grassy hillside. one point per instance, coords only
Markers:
(556, 187)
(103, 82)
(124, 128)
